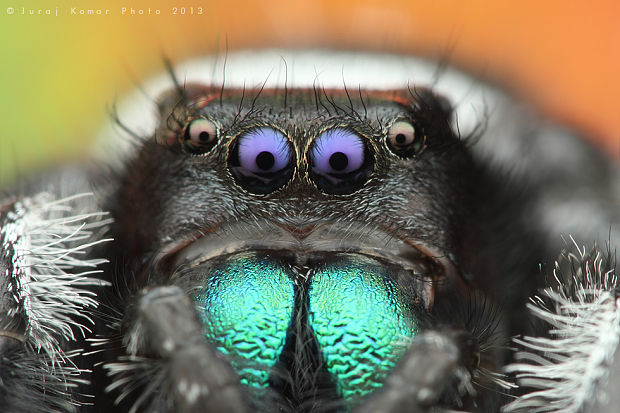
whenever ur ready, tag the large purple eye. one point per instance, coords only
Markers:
(340, 161)
(262, 160)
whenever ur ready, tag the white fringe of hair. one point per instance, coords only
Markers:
(583, 315)
(46, 240)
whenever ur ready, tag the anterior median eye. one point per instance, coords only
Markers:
(200, 136)
(340, 161)
(262, 160)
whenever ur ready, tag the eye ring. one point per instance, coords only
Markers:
(405, 140)
(200, 136)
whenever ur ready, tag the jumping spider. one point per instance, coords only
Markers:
(314, 245)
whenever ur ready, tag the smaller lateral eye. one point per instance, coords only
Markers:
(405, 140)
(200, 136)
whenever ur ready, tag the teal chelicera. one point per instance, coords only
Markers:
(248, 305)
(361, 321)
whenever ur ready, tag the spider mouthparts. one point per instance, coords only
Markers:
(296, 306)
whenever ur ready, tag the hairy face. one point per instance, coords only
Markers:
(380, 183)
(317, 231)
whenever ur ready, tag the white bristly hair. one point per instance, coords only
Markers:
(584, 319)
(46, 240)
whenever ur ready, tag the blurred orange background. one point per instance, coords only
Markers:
(59, 73)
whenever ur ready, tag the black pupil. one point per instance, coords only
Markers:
(338, 161)
(400, 139)
(204, 136)
(265, 160)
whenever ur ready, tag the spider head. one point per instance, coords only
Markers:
(316, 230)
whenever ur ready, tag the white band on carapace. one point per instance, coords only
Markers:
(299, 69)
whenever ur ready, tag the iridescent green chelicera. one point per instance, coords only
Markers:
(360, 318)
(247, 306)
(362, 321)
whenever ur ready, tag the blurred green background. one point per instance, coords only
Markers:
(58, 74)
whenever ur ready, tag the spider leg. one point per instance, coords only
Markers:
(435, 369)
(48, 231)
(190, 375)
